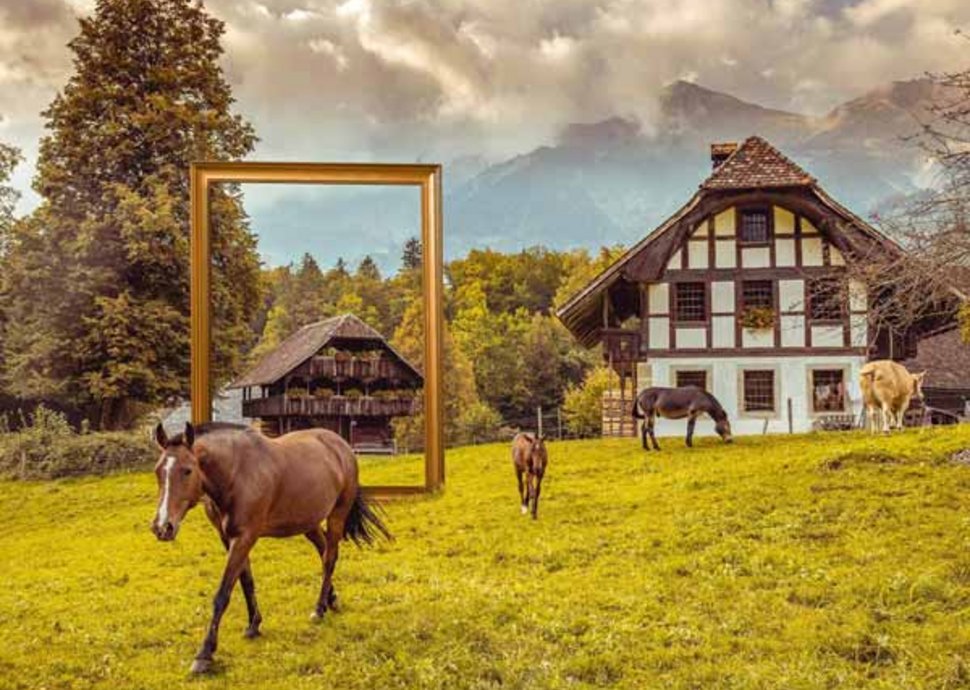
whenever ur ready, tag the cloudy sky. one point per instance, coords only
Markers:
(433, 80)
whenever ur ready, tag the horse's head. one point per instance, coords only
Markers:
(179, 481)
(918, 385)
(723, 429)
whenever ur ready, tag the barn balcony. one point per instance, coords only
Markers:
(621, 346)
(360, 368)
(334, 406)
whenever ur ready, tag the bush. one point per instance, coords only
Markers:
(47, 447)
(583, 405)
(479, 423)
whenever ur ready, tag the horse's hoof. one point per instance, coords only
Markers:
(252, 633)
(316, 616)
(524, 510)
(200, 666)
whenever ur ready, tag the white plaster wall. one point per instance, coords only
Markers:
(857, 296)
(757, 337)
(785, 251)
(835, 256)
(808, 228)
(827, 336)
(659, 332)
(784, 221)
(722, 296)
(697, 254)
(659, 296)
(724, 223)
(722, 331)
(756, 257)
(724, 254)
(791, 295)
(701, 229)
(811, 251)
(792, 330)
(792, 378)
(691, 337)
(859, 330)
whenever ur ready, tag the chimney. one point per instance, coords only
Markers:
(720, 152)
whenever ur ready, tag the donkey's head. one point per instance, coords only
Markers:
(918, 385)
(179, 481)
(723, 428)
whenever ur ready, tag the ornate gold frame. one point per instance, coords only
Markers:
(428, 178)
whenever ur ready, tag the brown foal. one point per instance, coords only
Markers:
(253, 486)
(530, 459)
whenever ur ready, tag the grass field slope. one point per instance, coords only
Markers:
(814, 561)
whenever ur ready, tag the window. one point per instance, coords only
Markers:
(759, 391)
(690, 302)
(828, 390)
(757, 294)
(826, 299)
(691, 378)
(754, 227)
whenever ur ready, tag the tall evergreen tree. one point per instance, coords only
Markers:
(9, 159)
(146, 98)
(411, 257)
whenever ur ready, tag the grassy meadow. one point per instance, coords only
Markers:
(777, 562)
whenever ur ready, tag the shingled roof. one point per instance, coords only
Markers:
(305, 343)
(757, 164)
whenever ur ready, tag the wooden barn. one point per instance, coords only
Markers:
(337, 374)
(744, 291)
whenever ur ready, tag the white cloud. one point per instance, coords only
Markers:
(364, 79)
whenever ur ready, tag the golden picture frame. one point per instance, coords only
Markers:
(425, 176)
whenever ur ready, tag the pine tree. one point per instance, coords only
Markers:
(9, 159)
(146, 98)
(412, 255)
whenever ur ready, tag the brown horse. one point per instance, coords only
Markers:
(676, 403)
(529, 458)
(253, 487)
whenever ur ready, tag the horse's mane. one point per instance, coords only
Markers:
(715, 405)
(207, 428)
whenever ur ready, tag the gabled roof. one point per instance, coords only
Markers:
(757, 164)
(306, 342)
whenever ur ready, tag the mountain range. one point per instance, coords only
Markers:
(612, 181)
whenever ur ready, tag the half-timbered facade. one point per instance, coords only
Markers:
(745, 292)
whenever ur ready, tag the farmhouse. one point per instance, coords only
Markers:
(337, 374)
(745, 292)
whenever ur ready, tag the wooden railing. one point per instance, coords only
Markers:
(334, 406)
(365, 369)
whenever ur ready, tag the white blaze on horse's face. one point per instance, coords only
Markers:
(179, 489)
(161, 516)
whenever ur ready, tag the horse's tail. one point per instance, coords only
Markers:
(637, 414)
(363, 524)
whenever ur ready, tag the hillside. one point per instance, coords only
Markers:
(795, 562)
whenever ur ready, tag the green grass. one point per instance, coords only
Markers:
(778, 562)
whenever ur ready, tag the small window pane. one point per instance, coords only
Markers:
(828, 390)
(754, 227)
(759, 391)
(827, 298)
(690, 302)
(692, 378)
(757, 294)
